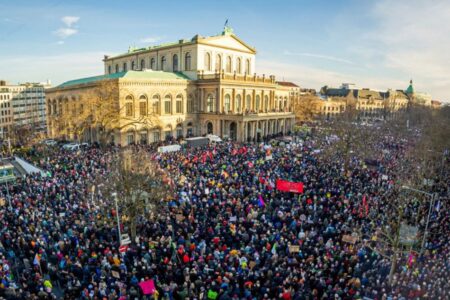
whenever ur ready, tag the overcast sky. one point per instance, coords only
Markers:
(377, 44)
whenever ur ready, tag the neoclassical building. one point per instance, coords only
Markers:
(194, 87)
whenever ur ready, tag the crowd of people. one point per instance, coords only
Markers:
(227, 233)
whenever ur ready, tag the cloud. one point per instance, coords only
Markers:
(320, 56)
(58, 68)
(150, 39)
(311, 77)
(65, 32)
(60, 42)
(411, 35)
(70, 20)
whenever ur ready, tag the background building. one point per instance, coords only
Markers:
(194, 87)
(22, 106)
(371, 104)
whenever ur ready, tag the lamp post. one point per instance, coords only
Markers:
(118, 217)
(430, 208)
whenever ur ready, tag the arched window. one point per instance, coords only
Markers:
(238, 66)
(152, 63)
(210, 103)
(228, 68)
(163, 63)
(238, 104)
(129, 106)
(285, 106)
(266, 103)
(247, 67)
(179, 104)
(175, 63)
(168, 104)
(109, 69)
(143, 106)
(248, 102)
(227, 103)
(179, 131)
(124, 67)
(142, 64)
(257, 103)
(187, 61)
(218, 63)
(133, 65)
(117, 68)
(155, 104)
(207, 62)
(190, 104)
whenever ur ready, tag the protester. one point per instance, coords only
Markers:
(227, 234)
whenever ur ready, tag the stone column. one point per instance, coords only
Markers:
(200, 103)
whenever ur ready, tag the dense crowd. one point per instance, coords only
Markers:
(227, 234)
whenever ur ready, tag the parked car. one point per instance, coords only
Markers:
(214, 138)
(71, 146)
(49, 142)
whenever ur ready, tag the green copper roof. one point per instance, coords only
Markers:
(129, 75)
(410, 89)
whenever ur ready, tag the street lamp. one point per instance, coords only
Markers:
(433, 198)
(117, 215)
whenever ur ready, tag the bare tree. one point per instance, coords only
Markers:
(139, 184)
(306, 107)
(100, 112)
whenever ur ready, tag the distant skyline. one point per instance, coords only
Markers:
(374, 44)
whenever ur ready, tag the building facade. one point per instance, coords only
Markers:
(22, 105)
(370, 104)
(194, 87)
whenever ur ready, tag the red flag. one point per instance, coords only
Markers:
(288, 186)
(210, 155)
(234, 152)
(365, 205)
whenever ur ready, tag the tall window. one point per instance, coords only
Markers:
(237, 104)
(175, 63)
(218, 62)
(248, 102)
(156, 136)
(142, 106)
(117, 68)
(129, 106)
(227, 103)
(129, 109)
(179, 104)
(152, 63)
(210, 103)
(228, 68)
(179, 131)
(190, 104)
(266, 102)
(257, 103)
(238, 66)
(247, 67)
(168, 104)
(163, 63)
(156, 104)
(109, 69)
(133, 65)
(142, 64)
(124, 67)
(207, 62)
(187, 61)
(130, 138)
